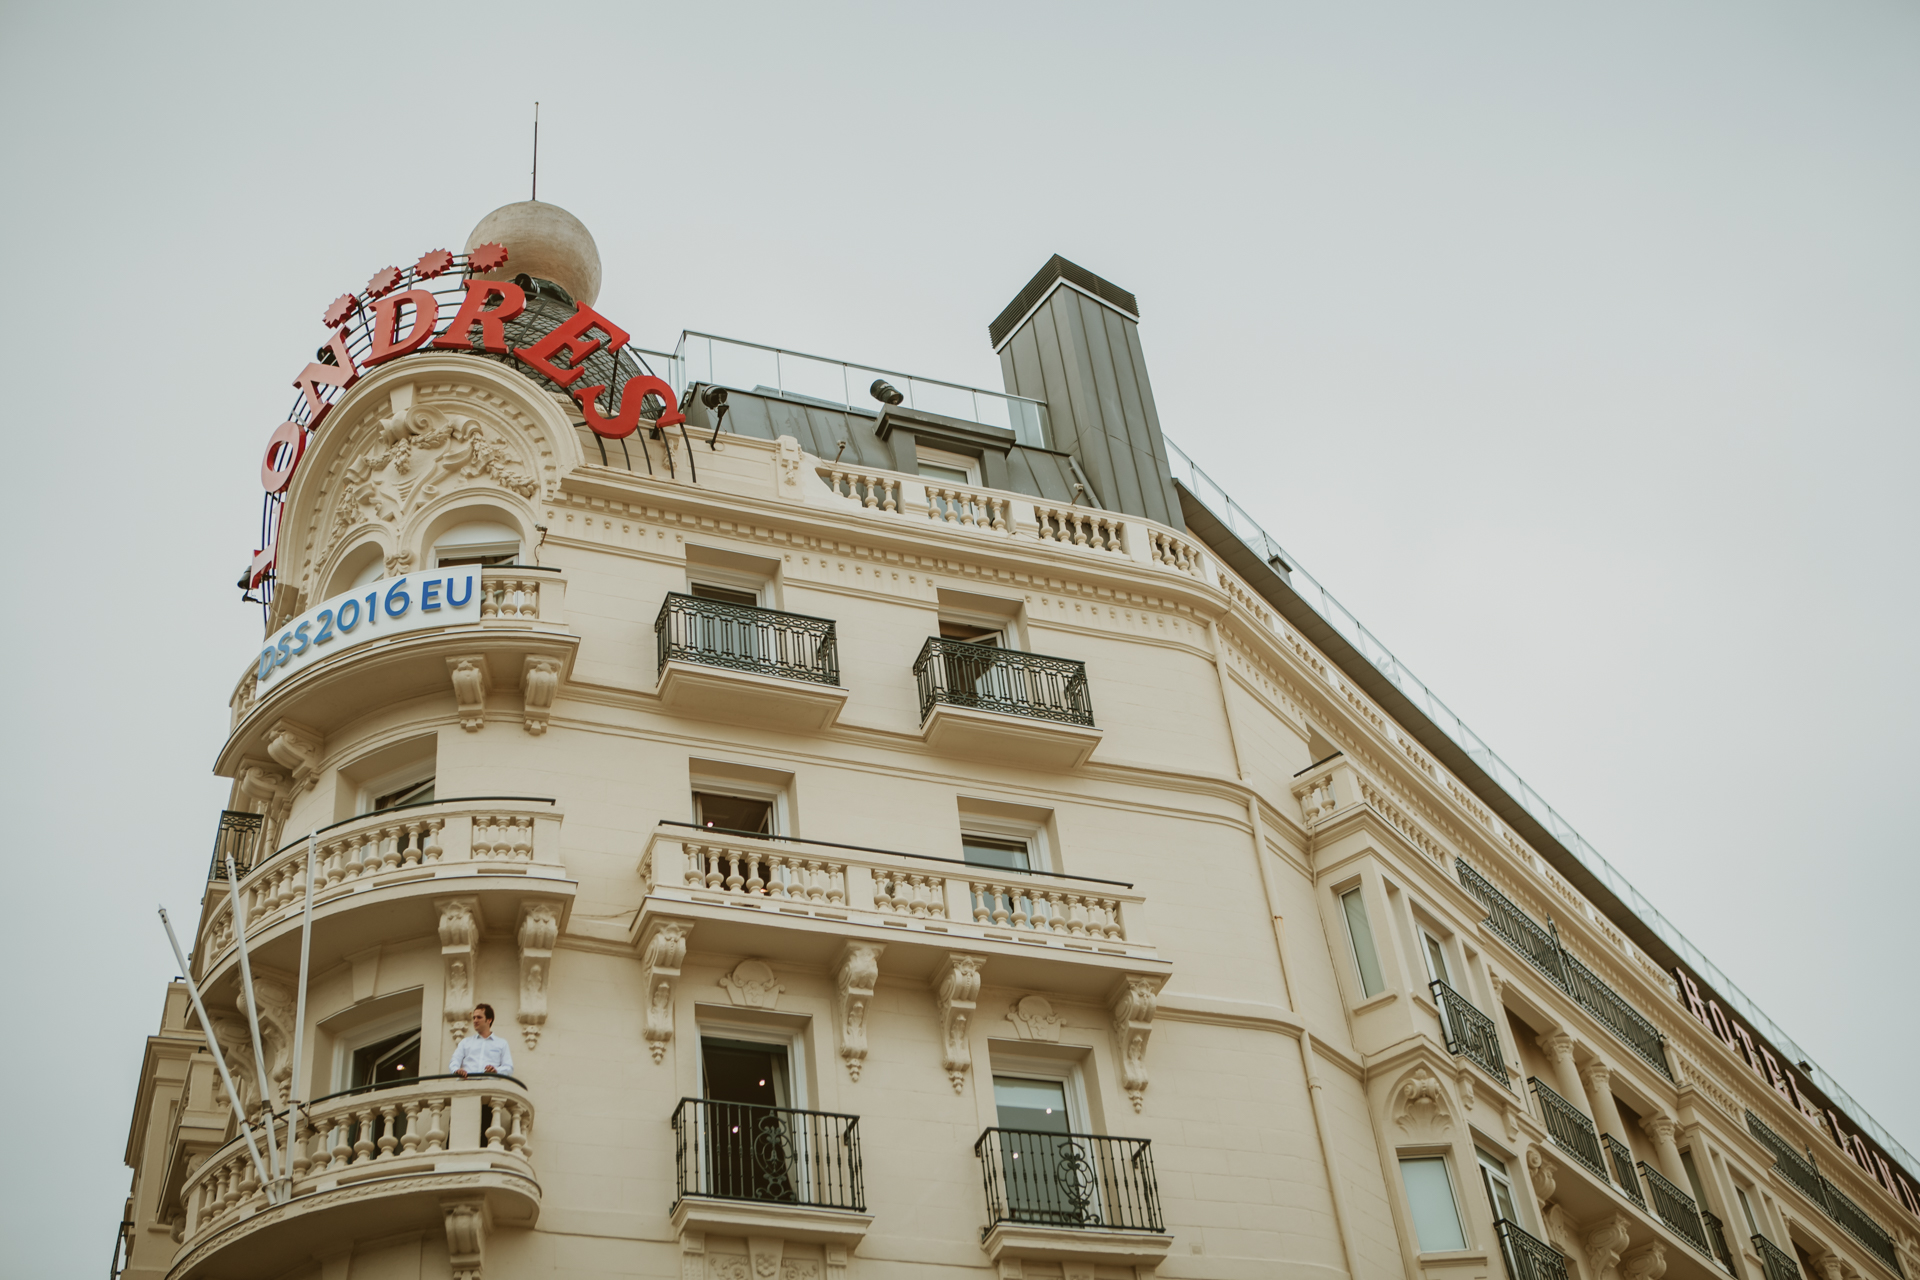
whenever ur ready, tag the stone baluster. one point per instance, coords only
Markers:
(436, 1137)
(734, 878)
(517, 1140)
(716, 873)
(755, 885)
(489, 601)
(836, 883)
(354, 856)
(523, 839)
(431, 851)
(363, 1135)
(298, 1140)
(342, 1138)
(410, 1140)
(495, 1137)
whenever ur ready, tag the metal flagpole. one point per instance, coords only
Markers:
(219, 1059)
(300, 1009)
(253, 1011)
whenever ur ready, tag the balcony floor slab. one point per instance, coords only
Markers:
(1007, 739)
(847, 1227)
(749, 698)
(1096, 1245)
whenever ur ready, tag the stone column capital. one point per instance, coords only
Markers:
(1557, 1045)
(1659, 1127)
(1597, 1074)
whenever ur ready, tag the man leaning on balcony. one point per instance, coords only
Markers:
(482, 1051)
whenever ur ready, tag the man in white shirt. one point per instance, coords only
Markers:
(482, 1051)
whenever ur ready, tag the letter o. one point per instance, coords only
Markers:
(292, 438)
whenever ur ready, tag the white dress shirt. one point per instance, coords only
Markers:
(476, 1053)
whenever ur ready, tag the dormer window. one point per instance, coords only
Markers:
(947, 468)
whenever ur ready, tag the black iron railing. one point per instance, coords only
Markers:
(1569, 1128)
(1542, 949)
(122, 1250)
(1528, 1258)
(1804, 1173)
(1470, 1033)
(1717, 1237)
(774, 1155)
(1780, 1264)
(1676, 1208)
(986, 678)
(714, 633)
(237, 836)
(1623, 1174)
(1069, 1180)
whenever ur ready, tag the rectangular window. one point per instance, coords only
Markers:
(1746, 1207)
(1436, 958)
(386, 1061)
(1042, 1169)
(1493, 1171)
(947, 468)
(1436, 1214)
(1365, 958)
(726, 595)
(749, 814)
(996, 851)
(750, 1146)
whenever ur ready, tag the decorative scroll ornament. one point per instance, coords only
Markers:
(1033, 1018)
(539, 682)
(471, 680)
(1133, 1009)
(1420, 1105)
(752, 985)
(855, 978)
(661, 953)
(1607, 1242)
(459, 957)
(956, 988)
(539, 929)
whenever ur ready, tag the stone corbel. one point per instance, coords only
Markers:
(693, 1255)
(467, 1226)
(295, 748)
(1542, 1172)
(539, 683)
(539, 927)
(459, 956)
(471, 680)
(1607, 1242)
(956, 988)
(1648, 1262)
(661, 953)
(268, 784)
(1132, 1007)
(855, 977)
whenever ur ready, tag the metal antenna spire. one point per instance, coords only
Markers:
(536, 151)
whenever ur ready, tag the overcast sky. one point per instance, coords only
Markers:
(1573, 347)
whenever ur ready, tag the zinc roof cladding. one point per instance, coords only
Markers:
(1324, 622)
(1058, 268)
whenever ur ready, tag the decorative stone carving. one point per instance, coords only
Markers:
(459, 956)
(1419, 1105)
(1561, 1233)
(539, 928)
(296, 748)
(1512, 1113)
(751, 984)
(661, 954)
(1648, 1262)
(398, 563)
(274, 994)
(786, 467)
(1542, 1172)
(1316, 799)
(1467, 1098)
(414, 455)
(471, 681)
(956, 986)
(836, 1260)
(1033, 1018)
(764, 1251)
(539, 682)
(1133, 1007)
(1832, 1266)
(799, 1269)
(270, 786)
(467, 1226)
(693, 1255)
(855, 977)
(1607, 1242)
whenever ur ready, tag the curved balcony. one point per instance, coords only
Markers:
(802, 900)
(366, 1163)
(498, 851)
(520, 630)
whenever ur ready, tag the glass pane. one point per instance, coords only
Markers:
(984, 851)
(733, 813)
(1436, 1219)
(1436, 958)
(1031, 1104)
(396, 1058)
(1364, 955)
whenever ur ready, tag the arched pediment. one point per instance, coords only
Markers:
(409, 443)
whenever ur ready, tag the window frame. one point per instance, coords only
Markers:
(392, 781)
(718, 1026)
(1445, 1161)
(990, 827)
(969, 465)
(349, 1042)
(1358, 889)
(759, 586)
(1071, 1074)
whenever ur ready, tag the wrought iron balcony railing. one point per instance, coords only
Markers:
(957, 674)
(714, 633)
(1717, 1237)
(1528, 1258)
(771, 1155)
(238, 837)
(1470, 1033)
(1623, 1174)
(1803, 1173)
(1542, 949)
(1676, 1208)
(1069, 1180)
(1569, 1128)
(1780, 1264)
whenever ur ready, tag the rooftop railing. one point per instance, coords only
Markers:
(715, 633)
(1317, 598)
(987, 678)
(1069, 1180)
(1470, 1033)
(844, 386)
(1542, 949)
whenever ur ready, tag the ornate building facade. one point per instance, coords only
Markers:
(902, 830)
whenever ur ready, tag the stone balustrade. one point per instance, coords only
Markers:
(446, 839)
(953, 898)
(374, 1135)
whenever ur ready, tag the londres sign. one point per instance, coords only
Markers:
(389, 321)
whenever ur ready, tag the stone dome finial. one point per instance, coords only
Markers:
(544, 241)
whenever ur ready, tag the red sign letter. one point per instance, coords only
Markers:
(636, 389)
(571, 338)
(493, 323)
(386, 324)
(262, 565)
(288, 441)
(342, 373)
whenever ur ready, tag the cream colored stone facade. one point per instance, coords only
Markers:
(1199, 987)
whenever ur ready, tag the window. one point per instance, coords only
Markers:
(1436, 956)
(1037, 1108)
(1360, 933)
(997, 851)
(727, 595)
(750, 814)
(1746, 1207)
(1436, 1214)
(477, 542)
(947, 468)
(386, 1061)
(1493, 1173)
(748, 1149)
(410, 793)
